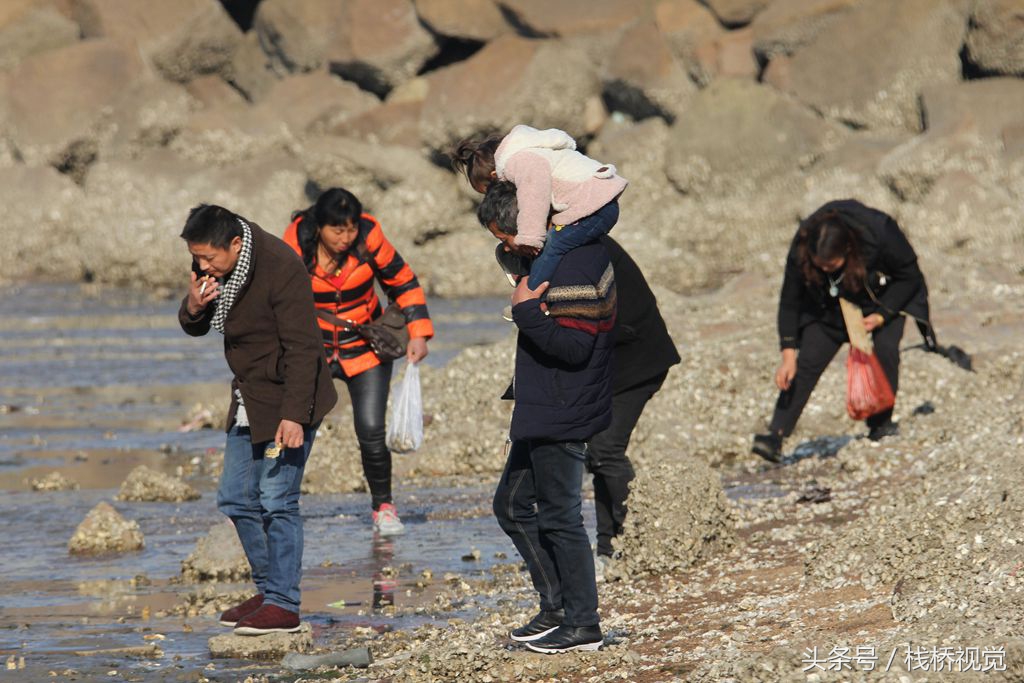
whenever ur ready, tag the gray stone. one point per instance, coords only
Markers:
(295, 34)
(148, 485)
(250, 69)
(643, 77)
(787, 25)
(218, 557)
(479, 20)
(995, 42)
(869, 67)
(272, 646)
(104, 530)
(359, 658)
(28, 27)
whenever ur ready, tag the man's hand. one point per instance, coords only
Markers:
(873, 321)
(201, 291)
(289, 434)
(523, 250)
(417, 350)
(787, 370)
(524, 293)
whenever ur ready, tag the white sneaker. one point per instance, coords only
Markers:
(599, 564)
(386, 521)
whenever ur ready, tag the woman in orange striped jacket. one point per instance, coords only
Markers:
(345, 251)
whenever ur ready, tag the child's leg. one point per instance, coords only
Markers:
(564, 238)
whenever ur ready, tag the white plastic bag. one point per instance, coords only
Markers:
(405, 423)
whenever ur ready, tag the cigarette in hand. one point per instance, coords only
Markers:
(202, 287)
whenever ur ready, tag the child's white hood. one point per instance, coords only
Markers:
(525, 137)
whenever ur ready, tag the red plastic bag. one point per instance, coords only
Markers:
(867, 388)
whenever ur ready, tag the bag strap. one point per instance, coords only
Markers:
(346, 325)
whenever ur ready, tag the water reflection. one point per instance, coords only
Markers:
(385, 579)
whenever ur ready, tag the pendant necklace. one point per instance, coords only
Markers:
(833, 285)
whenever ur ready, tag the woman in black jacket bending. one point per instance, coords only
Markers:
(848, 250)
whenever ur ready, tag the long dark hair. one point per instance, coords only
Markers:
(827, 236)
(336, 206)
(475, 158)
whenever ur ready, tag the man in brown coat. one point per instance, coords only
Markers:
(251, 287)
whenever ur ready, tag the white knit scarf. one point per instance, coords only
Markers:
(226, 300)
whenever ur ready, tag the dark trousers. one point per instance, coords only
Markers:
(607, 460)
(818, 346)
(369, 393)
(538, 504)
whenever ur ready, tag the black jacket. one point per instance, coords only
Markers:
(562, 386)
(893, 277)
(643, 347)
(272, 342)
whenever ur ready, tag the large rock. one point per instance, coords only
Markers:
(250, 69)
(148, 485)
(295, 34)
(272, 646)
(145, 116)
(57, 99)
(995, 42)
(37, 227)
(688, 25)
(104, 530)
(643, 77)
(145, 202)
(868, 68)
(571, 17)
(735, 13)
(391, 123)
(786, 25)
(510, 80)
(478, 20)
(218, 557)
(744, 137)
(182, 39)
(383, 44)
(28, 27)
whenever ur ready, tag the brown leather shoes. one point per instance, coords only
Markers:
(231, 616)
(268, 619)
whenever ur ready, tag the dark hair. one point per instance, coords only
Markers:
(827, 236)
(475, 158)
(211, 224)
(499, 207)
(336, 206)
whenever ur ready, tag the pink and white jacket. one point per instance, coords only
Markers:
(549, 174)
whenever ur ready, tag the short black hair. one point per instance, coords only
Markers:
(337, 206)
(499, 206)
(211, 224)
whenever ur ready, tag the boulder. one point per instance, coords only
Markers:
(727, 55)
(869, 67)
(851, 170)
(736, 13)
(295, 34)
(148, 485)
(383, 44)
(642, 77)
(477, 20)
(511, 80)
(995, 42)
(57, 99)
(739, 136)
(391, 123)
(540, 18)
(250, 69)
(787, 25)
(147, 115)
(218, 557)
(37, 228)
(989, 106)
(213, 92)
(28, 27)
(104, 530)
(54, 481)
(182, 39)
(272, 646)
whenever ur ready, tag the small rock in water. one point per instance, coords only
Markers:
(267, 647)
(147, 485)
(54, 481)
(104, 530)
(217, 557)
(359, 658)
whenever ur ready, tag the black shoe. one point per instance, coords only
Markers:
(541, 625)
(768, 446)
(568, 639)
(881, 431)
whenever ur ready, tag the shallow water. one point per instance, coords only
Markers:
(95, 382)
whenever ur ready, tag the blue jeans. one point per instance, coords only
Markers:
(261, 496)
(563, 239)
(538, 504)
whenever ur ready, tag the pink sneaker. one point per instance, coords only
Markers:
(386, 521)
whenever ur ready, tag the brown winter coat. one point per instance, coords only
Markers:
(272, 342)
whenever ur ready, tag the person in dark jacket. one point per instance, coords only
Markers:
(252, 288)
(844, 249)
(643, 354)
(562, 390)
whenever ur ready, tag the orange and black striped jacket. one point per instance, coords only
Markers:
(348, 293)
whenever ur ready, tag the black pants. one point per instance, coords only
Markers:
(607, 460)
(369, 393)
(818, 346)
(539, 505)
